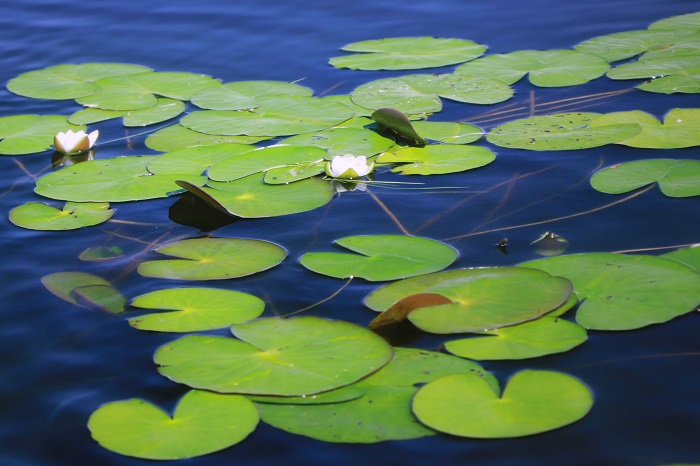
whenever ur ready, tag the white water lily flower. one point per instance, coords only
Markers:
(347, 167)
(74, 142)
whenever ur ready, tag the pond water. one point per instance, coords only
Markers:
(60, 362)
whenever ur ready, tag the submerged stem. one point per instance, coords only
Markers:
(335, 293)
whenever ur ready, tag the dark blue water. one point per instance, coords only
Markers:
(59, 362)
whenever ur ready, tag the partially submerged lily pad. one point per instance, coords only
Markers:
(27, 134)
(85, 290)
(437, 159)
(676, 178)
(398, 123)
(40, 216)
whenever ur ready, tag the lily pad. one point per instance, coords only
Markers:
(202, 423)
(561, 131)
(689, 256)
(447, 132)
(681, 128)
(101, 253)
(85, 290)
(676, 178)
(669, 74)
(242, 95)
(275, 356)
(687, 21)
(163, 110)
(40, 216)
(196, 309)
(532, 402)
(398, 123)
(213, 259)
(381, 257)
(383, 412)
(407, 53)
(437, 159)
(110, 180)
(623, 45)
(341, 141)
(178, 137)
(540, 337)
(625, 292)
(546, 68)
(27, 134)
(195, 160)
(481, 299)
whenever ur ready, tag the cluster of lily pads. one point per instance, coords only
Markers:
(265, 148)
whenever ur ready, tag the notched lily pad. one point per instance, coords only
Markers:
(163, 110)
(676, 178)
(40, 216)
(28, 134)
(343, 140)
(437, 159)
(178, 137)
(242, 95)
(674, 74)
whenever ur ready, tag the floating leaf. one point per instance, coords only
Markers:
(196, 309)
(242, 95)
(178, 137)
(689, 256)
(383, 412)
(687, 21)
(110, 180)
(213, 259)
(27, 134)
(540, 337)
(163, 110)
(292, 174)
(382, 257)
(275, 116)
(407, 53)
(482, 299)
(681, 128)
(101, 253)
(448, 132)
(676, 178)
(546, 68)
(532, 402)
(275, 356)
(40, 216)
(399, 311)
(397, 123)
(562, 131)
(625, 292)
(262, 159)
(195, 160)
(669, 74)
(203, 423)
(68, 81)
(437, 159)
(341, 141)
(623, 45)
(85, 290)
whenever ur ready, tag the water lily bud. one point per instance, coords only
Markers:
(75, 142)
(347, 167)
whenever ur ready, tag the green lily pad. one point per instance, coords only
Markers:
(625, 292)
(27, 134)
(275, 356)
(196, 309)
(341, 141)
(689, 256)
(277, 115)
(202, 423)
(139, 91)
(447, 132)
(669, 74)
(681, 128)
(686, 45)
(437, 159)
(163, 110)
(562, 131)
(101, 253)
(195, 160)
(242, 95)
(532, 402)
(398, 123)
(40, 216)
(213, 259)
(482, 299)
(381, 257)
(110, 180)
(623, 45)
(407, 53)
(85, 290)
(383, 412)
(178, 137)
(420, 93)
(687, 21)
(294, 173)
(68, 81)
(540, 337)
(546, 68)
(676, 178)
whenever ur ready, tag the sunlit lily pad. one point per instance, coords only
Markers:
(681, 128)
(242, 95)
(68, 81)
(85, 290)
(40, 216)
(482, 299)
(407, 53)
(540, 337)
(687, 21)
(562, 131)
(251, 197)
(546, 68)
(163, 110)
(623, 45)
(195, 160)
(341, 141)
(624, 292)
(27, 134)
(689, 256)
(251, 162)
(381, 257)
(195, 309)
(533, 402)
(448, 132)
(688, 45)
(178, 137)
(202, 423)
(275, 356)
(213, 259)
(140, 91)
(420, 93)
(398, 124)
(669, 74)
(279, 115)
(110, 180)
(676, 178)
(384, 412)
(437, 159)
